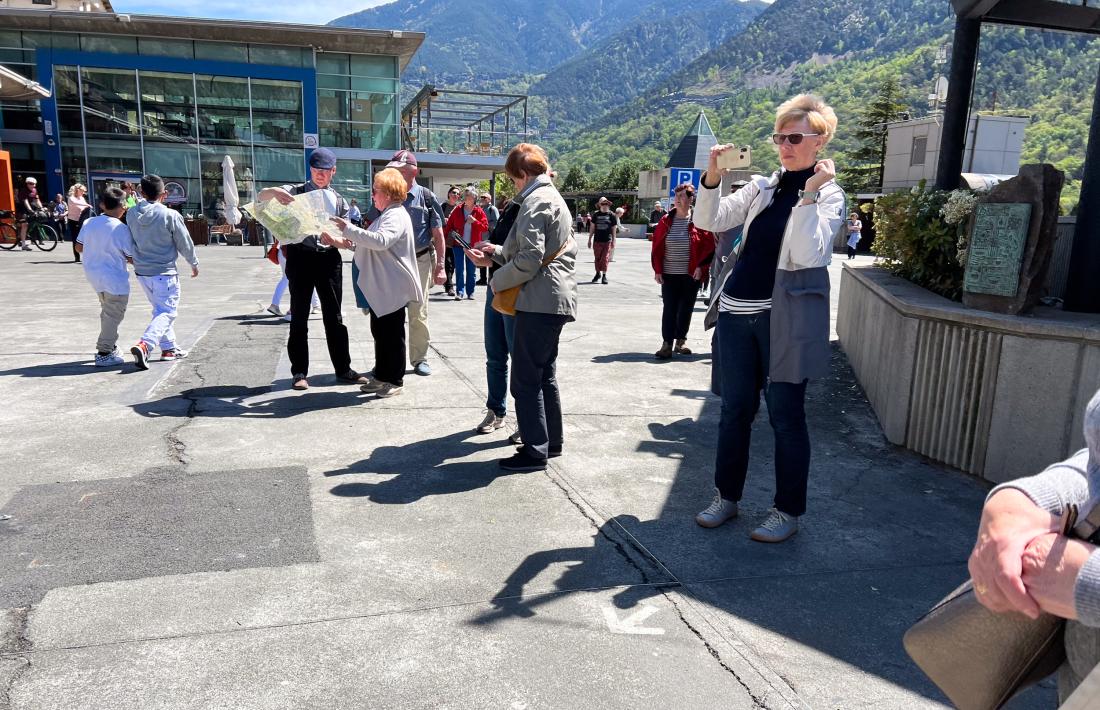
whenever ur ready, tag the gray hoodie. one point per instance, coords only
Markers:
(159, 235)
(1075, 480)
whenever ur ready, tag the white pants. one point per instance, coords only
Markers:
(163, 292)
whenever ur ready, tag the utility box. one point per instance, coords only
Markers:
(993, 146)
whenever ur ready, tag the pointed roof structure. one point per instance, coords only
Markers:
(694, 148)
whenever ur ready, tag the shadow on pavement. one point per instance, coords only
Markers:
(648, 357)
(67, 369)
(233, 401)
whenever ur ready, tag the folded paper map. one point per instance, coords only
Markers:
(304, 217)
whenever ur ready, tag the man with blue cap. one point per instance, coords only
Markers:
(311, 265)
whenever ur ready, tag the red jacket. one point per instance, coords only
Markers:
(457, 222)
(702, 246)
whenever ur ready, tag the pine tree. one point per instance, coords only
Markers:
(865, 172)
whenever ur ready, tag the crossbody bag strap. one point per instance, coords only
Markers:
(564, 248)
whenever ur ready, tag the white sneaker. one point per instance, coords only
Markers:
(490, 423)
(109, 360)
(719, 511)
(777, 527)
(274, 310)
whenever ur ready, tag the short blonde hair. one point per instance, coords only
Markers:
(817, 113)
(77, 186)
(392, 184)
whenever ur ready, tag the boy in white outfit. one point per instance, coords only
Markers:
(106, 245)
(159, 237)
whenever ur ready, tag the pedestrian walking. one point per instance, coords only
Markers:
(385, 253)
(772, 308)
(160, 237)
(601, 238)
(855, 226)
(468, 221)
(681, 256)
(427, 225)
(108, 247)
(539, 256)
(77, 210)
(655, 217)
(311, 265)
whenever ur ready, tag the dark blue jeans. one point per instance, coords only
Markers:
(499, 334)
(744, 344)
(535, 382)
(465, 273)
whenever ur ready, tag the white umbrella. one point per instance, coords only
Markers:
(229, 193)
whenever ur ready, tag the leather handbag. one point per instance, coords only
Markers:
(981, 659)
(504, 301)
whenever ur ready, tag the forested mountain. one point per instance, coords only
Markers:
(1045, 75)
(482, 40)
(662, 38)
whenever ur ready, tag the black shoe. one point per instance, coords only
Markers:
(353, 377)
(481, 282)
(523, 462)
(552, 453)
(604, 280)
(596, 278)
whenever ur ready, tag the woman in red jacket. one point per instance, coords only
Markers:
(681, 262)
(468, 221)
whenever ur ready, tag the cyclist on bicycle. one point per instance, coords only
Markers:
(27, 205)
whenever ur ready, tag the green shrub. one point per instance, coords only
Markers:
(913, 240)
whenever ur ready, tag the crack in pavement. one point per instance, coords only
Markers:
(21, 650)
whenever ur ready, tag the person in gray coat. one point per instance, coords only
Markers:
(389, 277)
(771, 308)
(540, 256)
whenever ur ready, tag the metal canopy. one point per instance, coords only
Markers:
(16, 87)
(461, 121)
(1041, 14)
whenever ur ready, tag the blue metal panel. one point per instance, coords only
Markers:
(107, 60)
(51, 143)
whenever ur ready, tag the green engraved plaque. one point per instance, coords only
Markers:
(997, 248)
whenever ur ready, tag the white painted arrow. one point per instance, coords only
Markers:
(631, 624)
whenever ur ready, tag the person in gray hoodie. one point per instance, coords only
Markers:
(160, 236)
(1022, 563)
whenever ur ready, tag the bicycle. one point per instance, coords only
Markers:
(39, 233)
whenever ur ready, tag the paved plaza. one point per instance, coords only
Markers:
(199, 535)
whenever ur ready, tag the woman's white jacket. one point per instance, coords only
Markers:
(385, 254)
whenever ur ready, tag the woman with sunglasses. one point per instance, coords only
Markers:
(681, 256)
(771, 308)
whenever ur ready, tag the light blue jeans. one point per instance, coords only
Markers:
(163, 292)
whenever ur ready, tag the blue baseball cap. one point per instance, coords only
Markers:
(322, 159)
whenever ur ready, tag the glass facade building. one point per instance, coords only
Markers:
(126, 105)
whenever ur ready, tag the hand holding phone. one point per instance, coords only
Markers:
(736, 158)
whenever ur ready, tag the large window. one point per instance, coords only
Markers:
(181, 127)
(357, 100)
(22, 115)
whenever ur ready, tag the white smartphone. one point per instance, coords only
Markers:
(736, 158)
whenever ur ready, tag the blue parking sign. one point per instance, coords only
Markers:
(681, 176)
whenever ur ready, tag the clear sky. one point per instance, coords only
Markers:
(312, 12)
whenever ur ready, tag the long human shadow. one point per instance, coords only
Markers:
(422, 470)
(886, 537)
(68, 369)
(232, 401)
(648, 357)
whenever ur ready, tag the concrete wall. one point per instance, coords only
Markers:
(997, 396)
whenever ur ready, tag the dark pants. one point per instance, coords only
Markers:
(744, 344)
(74, 232)
(449, 269)
(535, 383)
(307, 270)
(499, 335)
(678, 292)
(389, 346)
(851, 252)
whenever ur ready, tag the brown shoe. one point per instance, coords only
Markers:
(681, 349)
(300, 382)
(665, 352)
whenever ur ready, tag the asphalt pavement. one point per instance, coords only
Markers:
(200, 535)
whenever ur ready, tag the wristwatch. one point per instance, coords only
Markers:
(810, 195)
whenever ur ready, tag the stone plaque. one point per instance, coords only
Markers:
(996, 249)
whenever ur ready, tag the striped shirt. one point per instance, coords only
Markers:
(728, 304)
(677, 247)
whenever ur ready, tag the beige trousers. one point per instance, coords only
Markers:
(419, 337)
(112, 309)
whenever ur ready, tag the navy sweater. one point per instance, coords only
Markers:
(753, 276)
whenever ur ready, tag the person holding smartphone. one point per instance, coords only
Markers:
(771, 308)
(466, 225)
